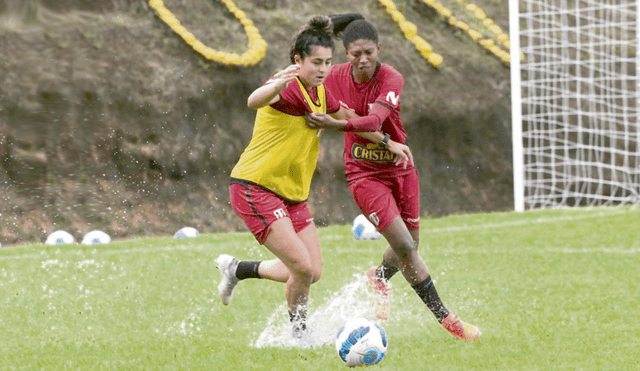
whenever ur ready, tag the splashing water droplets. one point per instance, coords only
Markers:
(351, 301)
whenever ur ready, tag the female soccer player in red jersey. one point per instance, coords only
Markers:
(271, 181)
(386, 193)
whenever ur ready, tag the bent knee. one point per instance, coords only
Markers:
(405, 248)
(303, 272)
(316, 276)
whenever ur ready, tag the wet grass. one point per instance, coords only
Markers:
(549, 289)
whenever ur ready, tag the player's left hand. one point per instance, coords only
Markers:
(321, 120)
(403, 152)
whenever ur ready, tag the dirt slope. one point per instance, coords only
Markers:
(109, 121)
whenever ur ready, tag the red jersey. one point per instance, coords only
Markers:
(292, 100)
(361, 156)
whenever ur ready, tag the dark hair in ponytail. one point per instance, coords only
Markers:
(352, 26)
(317, 32)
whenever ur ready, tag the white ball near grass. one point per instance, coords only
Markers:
(363, 229)
(60, 237)
(361, 342)
(187, 232)
(96, 237)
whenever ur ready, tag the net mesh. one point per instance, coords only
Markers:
(579, 102)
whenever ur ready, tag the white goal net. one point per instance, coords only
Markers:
(575, 103)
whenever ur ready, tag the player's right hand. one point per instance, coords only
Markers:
(402, 152)
(284, 77)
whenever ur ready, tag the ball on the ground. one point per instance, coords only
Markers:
(96, 237)
(60, 237)
(187, 232)
(363, 229)
(361, 342)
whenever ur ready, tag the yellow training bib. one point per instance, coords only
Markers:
(283, 152)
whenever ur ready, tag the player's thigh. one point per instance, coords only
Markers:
(376, 200)
(257, 207)
(286, 245)
(309, 237)
(400, 239)
(407, 194)
(304, 226)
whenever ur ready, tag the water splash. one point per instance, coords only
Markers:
(351, 301)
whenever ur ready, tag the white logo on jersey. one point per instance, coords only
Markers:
(279, 213)
(393, 98)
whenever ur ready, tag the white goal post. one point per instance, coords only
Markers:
(575, 93)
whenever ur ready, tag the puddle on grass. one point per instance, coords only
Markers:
(351, 301)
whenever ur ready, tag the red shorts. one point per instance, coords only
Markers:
(383, 198)
(259, 208)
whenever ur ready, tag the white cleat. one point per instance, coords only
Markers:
(229, 280)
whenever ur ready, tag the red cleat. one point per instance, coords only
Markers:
(461, 329)
(381, 292)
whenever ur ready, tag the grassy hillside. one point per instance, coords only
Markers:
(109, 120)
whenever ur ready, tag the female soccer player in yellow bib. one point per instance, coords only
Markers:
(271, 181)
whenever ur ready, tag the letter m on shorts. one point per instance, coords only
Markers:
(279, 213)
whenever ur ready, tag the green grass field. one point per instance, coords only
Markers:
(551, 290)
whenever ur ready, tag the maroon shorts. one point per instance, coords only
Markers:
(382, 199)
(259, 208)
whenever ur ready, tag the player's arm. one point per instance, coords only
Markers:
(372, 122)
(269, 93)
(404, 155)
(403, 151)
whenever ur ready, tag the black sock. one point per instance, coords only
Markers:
(385, 271)
(248, 269)
(427, 292)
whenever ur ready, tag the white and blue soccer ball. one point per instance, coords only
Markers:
(363, 229)
(187, 232)
(96, 237)
(60, 237)
(361, 342)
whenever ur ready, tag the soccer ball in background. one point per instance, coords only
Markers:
(361, 342)
(60, 237)
(363, 229)
(96, 237)
(187, 232)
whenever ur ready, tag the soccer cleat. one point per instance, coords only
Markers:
(381, 292)
(461, 329)
(227, 264)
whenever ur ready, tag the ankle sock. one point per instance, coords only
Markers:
(248, 269)
(385, 271)
(426, 290)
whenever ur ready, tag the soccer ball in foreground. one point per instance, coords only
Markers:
(361, 342)
(60, 237)
(363, 229)
(187, 232)
(96, 237)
